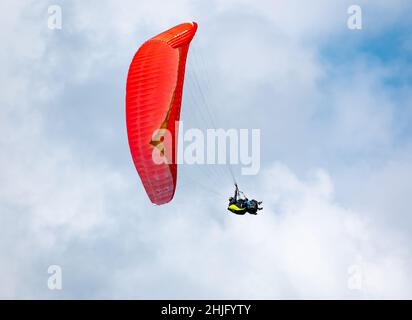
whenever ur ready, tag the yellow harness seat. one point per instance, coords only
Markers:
(236, 209)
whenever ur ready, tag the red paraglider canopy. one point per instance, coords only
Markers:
(153, 101)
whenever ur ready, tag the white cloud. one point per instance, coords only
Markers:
(65, 201)
(300, 246)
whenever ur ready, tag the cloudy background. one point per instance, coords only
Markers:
(334, 109)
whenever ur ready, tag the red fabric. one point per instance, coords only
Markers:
(154, 88)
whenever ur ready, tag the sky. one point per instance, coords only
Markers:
(334, 109)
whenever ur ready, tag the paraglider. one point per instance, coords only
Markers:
(153, 102)
(154, 92)
(240, 204)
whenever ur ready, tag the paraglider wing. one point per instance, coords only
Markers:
(153, 101)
